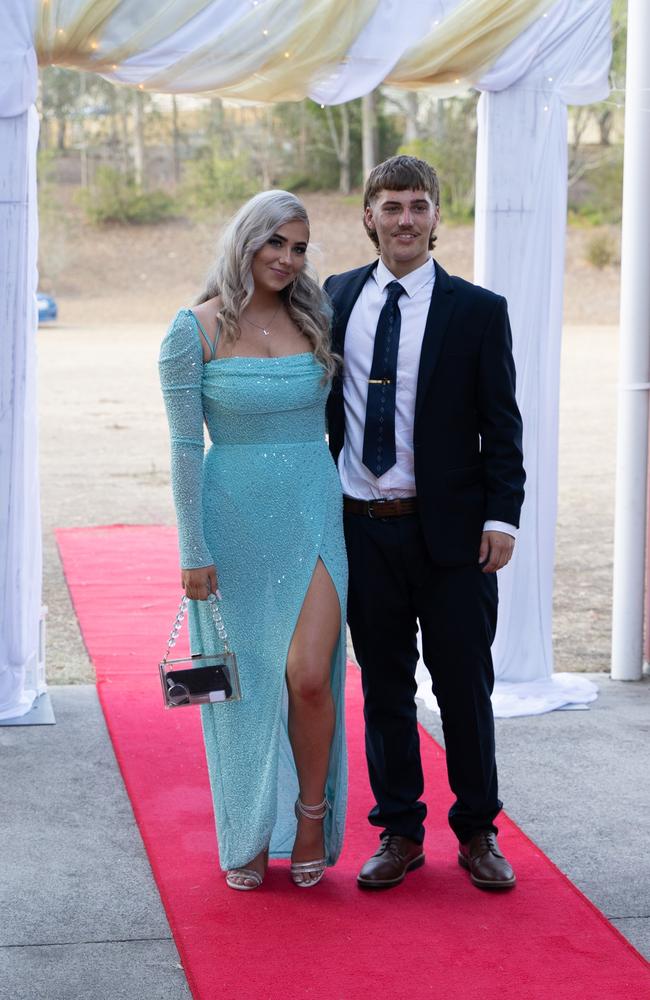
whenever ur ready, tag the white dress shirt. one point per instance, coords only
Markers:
(399, 481)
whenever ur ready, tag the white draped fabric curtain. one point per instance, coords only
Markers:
(529, 57)
(273, 50)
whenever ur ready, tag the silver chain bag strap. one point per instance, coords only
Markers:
(204, 678)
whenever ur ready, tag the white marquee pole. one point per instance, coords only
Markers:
(634, 365)
(20, 528)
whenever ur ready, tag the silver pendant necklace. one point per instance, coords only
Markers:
(265, 329)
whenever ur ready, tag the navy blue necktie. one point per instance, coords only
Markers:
(379, 434)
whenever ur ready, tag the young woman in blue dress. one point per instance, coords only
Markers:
(259, 521)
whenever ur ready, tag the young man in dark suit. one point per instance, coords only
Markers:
(426, 432)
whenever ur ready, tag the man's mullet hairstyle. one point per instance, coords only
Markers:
(401, 173)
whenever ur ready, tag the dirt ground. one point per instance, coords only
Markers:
(104, 446)
(144, 273)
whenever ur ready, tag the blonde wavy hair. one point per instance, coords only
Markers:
(231, 278)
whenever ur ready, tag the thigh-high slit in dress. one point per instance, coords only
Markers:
(263, 504)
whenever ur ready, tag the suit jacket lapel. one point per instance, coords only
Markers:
(440, 310)
(345, 304)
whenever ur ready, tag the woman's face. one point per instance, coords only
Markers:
(281, 258)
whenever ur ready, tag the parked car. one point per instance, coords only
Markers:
(47, 308)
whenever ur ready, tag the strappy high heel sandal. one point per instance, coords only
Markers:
(300, 870)
(246, 873)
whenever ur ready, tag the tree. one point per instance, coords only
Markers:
(369, 132)
(60, 96)
(341, 144)
(176, 142)
(139, 171)
(605, 111)
(407, 104)
(451, 149)
(596, 169)
(411, 110)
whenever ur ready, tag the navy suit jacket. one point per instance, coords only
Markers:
(467, 432)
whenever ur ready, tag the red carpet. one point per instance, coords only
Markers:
(435, 936)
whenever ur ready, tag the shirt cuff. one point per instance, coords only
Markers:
(509, 529)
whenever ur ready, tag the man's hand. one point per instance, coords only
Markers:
(198, 584)
(495, 551)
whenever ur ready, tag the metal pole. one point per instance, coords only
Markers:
(634, 366)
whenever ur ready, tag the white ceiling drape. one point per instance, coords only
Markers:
(265, 50)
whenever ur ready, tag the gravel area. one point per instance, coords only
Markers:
(104, 460)
(104, 449)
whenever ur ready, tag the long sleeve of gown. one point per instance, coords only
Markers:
(181, 369)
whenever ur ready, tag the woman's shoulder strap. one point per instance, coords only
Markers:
(212, 347)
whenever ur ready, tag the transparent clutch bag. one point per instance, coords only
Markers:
(202, 679)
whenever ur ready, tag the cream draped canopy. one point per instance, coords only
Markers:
(280, 50)
(530, 58)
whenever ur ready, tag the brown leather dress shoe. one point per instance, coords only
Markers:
(488, 869)
(389, 864)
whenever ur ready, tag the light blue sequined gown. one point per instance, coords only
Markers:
(262, 505)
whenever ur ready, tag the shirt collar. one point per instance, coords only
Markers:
(411, 282)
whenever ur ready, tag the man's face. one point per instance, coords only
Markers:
(403, 222)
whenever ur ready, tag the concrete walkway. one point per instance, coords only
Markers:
(80, 915)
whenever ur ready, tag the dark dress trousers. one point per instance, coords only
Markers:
(424, 567)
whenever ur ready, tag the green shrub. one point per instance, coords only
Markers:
(301, 182)
(115, 198)
(600, 252)
(151, 207)
(210, 181)
(595, 199)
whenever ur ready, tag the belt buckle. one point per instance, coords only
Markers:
(371, 504)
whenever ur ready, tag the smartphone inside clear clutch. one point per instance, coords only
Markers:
(201, 679)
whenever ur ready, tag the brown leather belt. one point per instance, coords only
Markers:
(399, 507)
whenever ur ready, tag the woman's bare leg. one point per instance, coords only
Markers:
(311, 706)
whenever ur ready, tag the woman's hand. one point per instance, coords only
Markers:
(199, 583)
